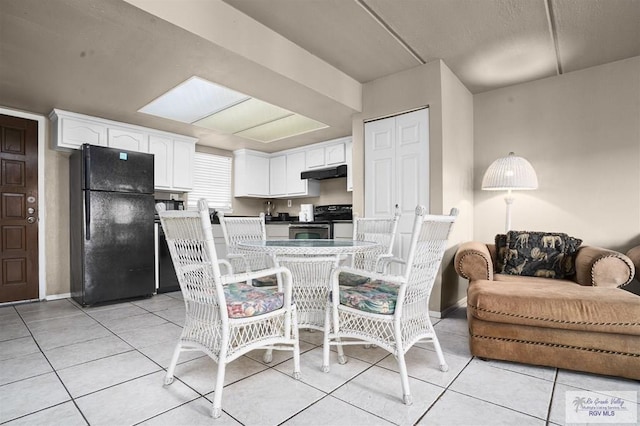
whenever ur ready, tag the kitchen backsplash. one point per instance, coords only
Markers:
(332, 191)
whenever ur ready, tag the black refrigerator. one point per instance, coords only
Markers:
(112, 224)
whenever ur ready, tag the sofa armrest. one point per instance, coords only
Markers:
(634, 255)
(600, 267)
(473, 261)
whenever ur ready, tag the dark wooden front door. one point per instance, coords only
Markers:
(18, 209)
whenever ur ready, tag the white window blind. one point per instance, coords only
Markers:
(211, 180)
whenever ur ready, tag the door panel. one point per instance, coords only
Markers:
(19, 209)
(397, 170)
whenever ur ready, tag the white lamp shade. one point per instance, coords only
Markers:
(510, 172)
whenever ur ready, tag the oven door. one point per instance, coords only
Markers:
(309, 232)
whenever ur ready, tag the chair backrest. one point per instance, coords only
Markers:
(380, 230)
(429, 241)
(190, 240)
(237, 229)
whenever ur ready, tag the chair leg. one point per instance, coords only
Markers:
(436, 345)
(216, 411)
(326, 349)
(404, 377)
(168, 379)
(296, 349)
(268, 356)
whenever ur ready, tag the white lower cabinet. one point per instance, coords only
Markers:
(343, 231)
(277, 231)
(173, 154)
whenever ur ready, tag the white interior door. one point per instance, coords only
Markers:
(397, 170)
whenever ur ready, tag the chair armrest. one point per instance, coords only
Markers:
(384, 261)
(600, 267)
(227, 266)
(473, 261)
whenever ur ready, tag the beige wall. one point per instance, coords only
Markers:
(581, 132)
(450, 151)
(57, 221)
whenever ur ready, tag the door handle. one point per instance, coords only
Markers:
(31, 219)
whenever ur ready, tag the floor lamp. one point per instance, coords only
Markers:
(509, 173)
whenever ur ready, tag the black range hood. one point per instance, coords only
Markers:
(330, 173)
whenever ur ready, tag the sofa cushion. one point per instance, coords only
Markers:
(539, 254)
(555, 304)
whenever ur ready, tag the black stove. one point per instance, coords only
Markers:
(322, 225)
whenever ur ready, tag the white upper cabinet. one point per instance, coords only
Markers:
(184, 153)
(72, 132)
(262, 175)
(349, 160)
(297, 187)
(335, 154)
(251, 174)
(315, 158)
(128, 139)
(278, 175)
(173, 154)
(327, 154)
(162, 149)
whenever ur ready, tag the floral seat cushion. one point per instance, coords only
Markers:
(246, 301)
(349, 279)
(268, 281)
(377, 297)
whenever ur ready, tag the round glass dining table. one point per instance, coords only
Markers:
(311, 263)
(308, 247)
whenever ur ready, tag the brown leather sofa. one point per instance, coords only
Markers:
(584, 322)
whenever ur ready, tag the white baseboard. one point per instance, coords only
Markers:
(58, 296)
(459, 304)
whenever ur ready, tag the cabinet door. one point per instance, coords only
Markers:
(183, 159)
(128, 139)
(74, 133)
(278, 175)
(162, 150)
(315, 158)
(257, 175)
(295, 165)
(348, 147)
(334, 154)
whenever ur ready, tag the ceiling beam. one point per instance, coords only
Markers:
(551, 21)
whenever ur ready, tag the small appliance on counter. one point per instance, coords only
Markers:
(306, 213)
(269, 208)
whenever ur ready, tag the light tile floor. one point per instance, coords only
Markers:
(62, 364)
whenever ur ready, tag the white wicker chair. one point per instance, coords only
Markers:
(392, 311)
(237, 229)
(311, 277)
(380, 230)
(225, 317)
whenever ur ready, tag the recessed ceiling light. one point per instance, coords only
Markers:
(192, 100)
(206, 104)
(292, 125)
(242, 116)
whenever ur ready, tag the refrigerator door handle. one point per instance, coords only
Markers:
(87, 186)
(87, 214)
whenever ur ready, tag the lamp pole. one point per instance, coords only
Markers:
(508, 199)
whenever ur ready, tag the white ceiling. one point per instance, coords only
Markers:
(108, 58)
